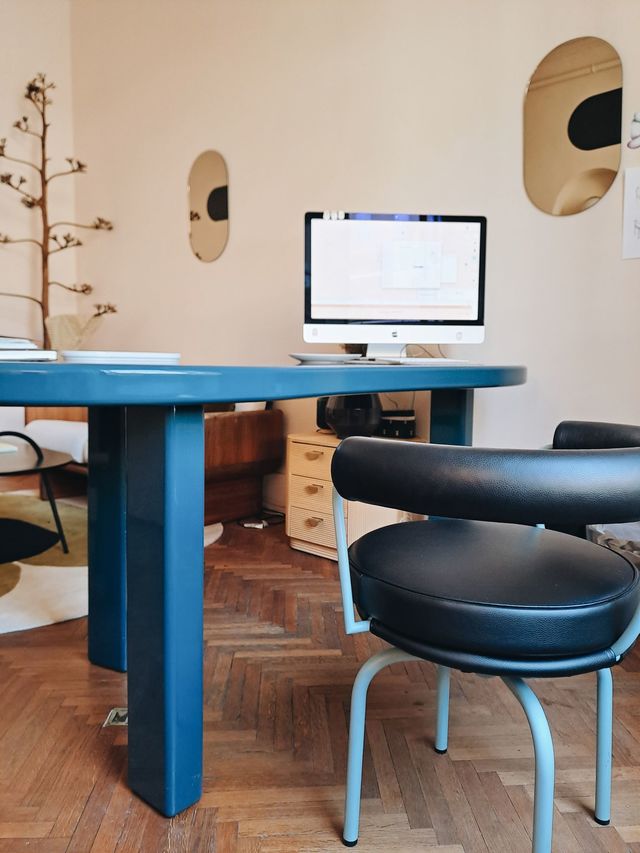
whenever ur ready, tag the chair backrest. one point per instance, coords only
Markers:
(594, 435)
(554, 487)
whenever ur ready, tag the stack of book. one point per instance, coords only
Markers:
(22, 349)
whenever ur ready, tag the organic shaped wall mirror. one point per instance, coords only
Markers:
(572, 126)
(208, 206)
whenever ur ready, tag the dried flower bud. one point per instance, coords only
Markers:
(105, 308)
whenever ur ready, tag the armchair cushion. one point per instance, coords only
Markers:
(493, 589)
(70, 437)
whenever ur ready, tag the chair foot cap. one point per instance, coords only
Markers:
(601, 822)
(349, 843)
(440, 751)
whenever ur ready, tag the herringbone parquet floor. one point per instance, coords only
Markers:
(278, 671)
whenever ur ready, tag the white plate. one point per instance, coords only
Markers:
(114, 357)
(324, 357)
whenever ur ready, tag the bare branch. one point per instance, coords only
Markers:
(98, 224)
(23, 162)
(75, 166)
(22, 124)
(3, 153)
(16, 184)
(67, 241)
(74, 288)
(22, 296)
(4, 238)
(61, 174)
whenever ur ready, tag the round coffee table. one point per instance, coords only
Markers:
(21, 539)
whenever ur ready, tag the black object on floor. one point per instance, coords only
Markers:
(20, 540)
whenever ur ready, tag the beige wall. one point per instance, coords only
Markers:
(413, 105)
(35, 37)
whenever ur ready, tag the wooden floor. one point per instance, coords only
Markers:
(278, 671)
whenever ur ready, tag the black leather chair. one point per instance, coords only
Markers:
(483, 587)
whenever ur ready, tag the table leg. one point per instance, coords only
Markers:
(107, 538)
(451, 416)
(165, 559)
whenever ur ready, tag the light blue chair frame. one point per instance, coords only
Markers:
(540, 732)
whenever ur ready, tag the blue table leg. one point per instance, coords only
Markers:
(451, 416)
(107, 540)
(165, 559)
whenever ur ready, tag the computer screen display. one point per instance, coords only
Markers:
(364, 268)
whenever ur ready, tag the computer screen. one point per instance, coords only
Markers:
(410, 278)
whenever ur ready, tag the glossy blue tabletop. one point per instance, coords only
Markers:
(55, 384)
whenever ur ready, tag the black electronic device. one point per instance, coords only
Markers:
(397, 423)
(321, 405)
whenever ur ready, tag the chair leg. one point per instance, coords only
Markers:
(356, 737)
(602, 813)
(442, 718)
(544, 763)
(54, 510)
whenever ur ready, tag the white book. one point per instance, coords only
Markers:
(28, 355)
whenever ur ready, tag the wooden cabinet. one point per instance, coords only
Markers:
(309, 489)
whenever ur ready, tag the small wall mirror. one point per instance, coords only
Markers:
(208, 206)
(573, 126)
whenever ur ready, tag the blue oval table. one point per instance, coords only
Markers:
(146, 499)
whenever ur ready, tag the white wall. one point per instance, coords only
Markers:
(414, 105)
(35, 37)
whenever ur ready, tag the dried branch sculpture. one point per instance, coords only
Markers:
(53, 238)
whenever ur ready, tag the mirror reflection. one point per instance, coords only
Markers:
(208, 206)
(572, 126)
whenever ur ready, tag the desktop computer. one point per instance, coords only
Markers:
(389, 280)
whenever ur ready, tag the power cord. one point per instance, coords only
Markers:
(269, 518)
(428, 352)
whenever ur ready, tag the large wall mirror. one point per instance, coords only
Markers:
(208, 206)
(572, 126)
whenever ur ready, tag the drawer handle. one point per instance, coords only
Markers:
(312, 455)
(313, 489)
(313, 522)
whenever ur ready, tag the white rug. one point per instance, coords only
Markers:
(43, 597)
(212, 532)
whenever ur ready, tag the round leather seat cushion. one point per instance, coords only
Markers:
(488, 588)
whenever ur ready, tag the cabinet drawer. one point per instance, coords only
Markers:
(310, 493)
(312, 526)
(310, 460)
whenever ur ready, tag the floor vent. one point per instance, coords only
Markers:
(117, 717)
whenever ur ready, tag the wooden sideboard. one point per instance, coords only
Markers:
(240, 448)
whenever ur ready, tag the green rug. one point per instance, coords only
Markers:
(52, 586)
